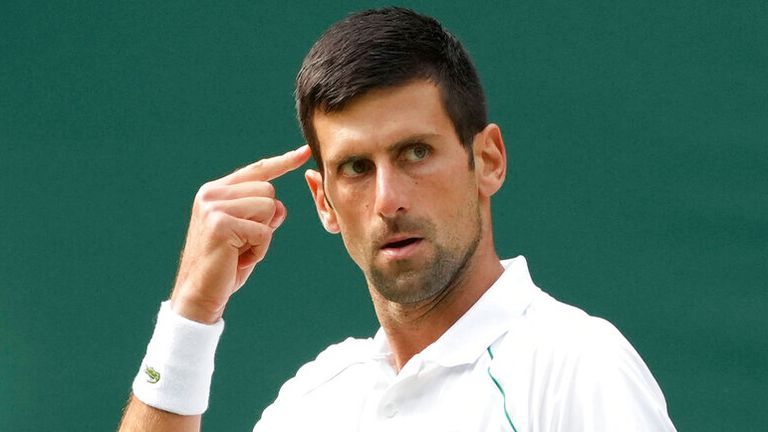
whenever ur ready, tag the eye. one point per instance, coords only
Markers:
(355, 167)
(416, 152)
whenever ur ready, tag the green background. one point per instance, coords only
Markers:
(637, 189)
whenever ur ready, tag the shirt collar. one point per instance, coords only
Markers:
(487, 320)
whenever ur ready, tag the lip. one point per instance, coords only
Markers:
(400, 252)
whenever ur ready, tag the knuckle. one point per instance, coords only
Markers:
(206, 207)
(256, 166)
(269, 189)
(205, 193)
(217, 221)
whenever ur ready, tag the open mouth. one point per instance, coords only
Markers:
(401, 243)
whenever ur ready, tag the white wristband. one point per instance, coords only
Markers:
(176, 372)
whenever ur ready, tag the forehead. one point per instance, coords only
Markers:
(381, 118)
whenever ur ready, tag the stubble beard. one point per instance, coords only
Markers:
(442, 272)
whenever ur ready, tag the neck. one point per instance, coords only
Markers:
(410, 328)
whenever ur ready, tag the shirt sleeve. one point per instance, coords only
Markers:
(301, 403)
(608, 387)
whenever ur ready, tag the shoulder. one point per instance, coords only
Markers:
(329, 363)
(580, 369)
(555, 339)
(550, 325)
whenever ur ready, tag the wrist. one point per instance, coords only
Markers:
(196, 309)
(176, 372)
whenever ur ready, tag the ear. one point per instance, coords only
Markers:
(324, 210)
(490, 160)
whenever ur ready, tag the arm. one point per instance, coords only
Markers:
(230, 230)
(139, 417)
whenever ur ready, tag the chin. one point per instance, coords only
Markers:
(408, 287)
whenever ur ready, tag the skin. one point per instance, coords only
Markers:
(233, 220)
(417, 222)
(395, 172)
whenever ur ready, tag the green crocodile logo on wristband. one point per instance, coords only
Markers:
(154, 376)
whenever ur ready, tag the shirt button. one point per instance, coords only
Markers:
(390, 409)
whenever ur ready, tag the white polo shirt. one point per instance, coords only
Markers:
(518, 360)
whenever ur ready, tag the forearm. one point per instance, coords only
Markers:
(140, 417)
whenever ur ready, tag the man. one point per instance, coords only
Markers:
(394, 114)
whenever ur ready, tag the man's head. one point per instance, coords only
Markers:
(394, 105)
(384, 48)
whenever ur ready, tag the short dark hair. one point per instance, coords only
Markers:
(381, 48)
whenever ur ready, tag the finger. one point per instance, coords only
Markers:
(260, 252)
(253, 255)
(268, 169)
(215, 191)
(258, 209)
(251, 235)
(280, 214)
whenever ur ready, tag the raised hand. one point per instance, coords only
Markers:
(230, 230)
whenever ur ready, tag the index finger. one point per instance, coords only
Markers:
(270, 168)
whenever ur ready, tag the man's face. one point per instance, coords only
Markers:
(399, 189)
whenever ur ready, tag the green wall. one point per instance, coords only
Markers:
(638, 189)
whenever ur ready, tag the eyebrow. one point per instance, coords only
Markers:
(391, 148)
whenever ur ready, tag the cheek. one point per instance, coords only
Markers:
(348, 197)
(357, 247)
(351, 202)
(457, 205)
(350, 210)
(353, 230)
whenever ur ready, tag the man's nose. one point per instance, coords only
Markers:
(391, 191)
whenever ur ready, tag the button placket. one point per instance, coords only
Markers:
(389, 405)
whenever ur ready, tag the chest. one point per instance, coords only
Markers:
(462, 398)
